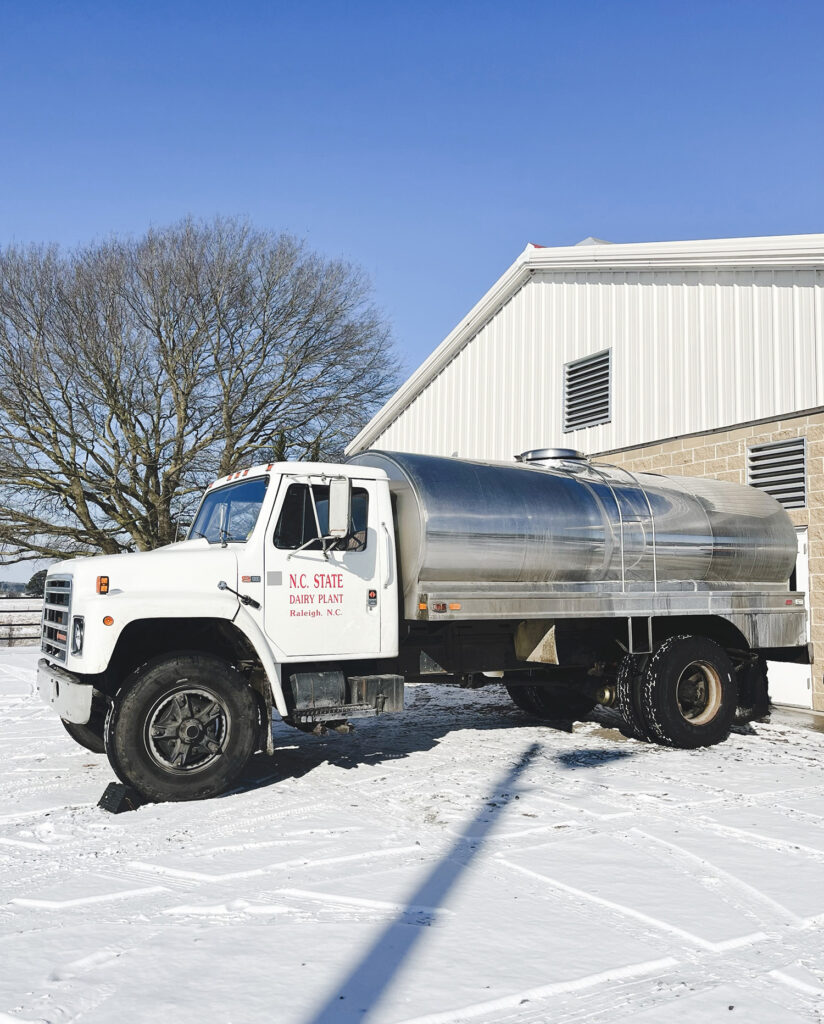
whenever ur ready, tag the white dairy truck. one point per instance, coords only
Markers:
(312, 591)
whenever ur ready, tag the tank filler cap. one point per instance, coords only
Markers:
(542, 456)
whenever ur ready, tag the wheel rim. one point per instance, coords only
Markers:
(699, 693)
(186, 730)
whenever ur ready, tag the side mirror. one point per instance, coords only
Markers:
(340, 507)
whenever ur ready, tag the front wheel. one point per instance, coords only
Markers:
(90, 735)
(688, 693)
(182, 728)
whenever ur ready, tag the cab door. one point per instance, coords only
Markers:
(317, 604)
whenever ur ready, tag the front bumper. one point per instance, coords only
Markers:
(70, 697)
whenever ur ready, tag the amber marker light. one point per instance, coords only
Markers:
(455, 607)
(108, 620)
(102, 584)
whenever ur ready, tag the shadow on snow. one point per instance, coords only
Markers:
(360, 992)
(392, 737)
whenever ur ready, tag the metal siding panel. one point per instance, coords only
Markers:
(632, 346)
(673, 375)
(536, 356)
(691, 351)
(536, 291)
(461, 374)
(496, 406)
(432, 439)
(763, 398)
(622, 394)
(724, 362)
(743, 381)
(415, 441)
(450, 413)
(474, 379)
(427, 417)
(783, 370)
(646, 353)
(804, 334)
(440, 403)
(510, 357)
(689, 346)
(603, 308)
(817, 341)
(487, 362)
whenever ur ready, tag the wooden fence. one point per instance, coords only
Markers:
(20, 621)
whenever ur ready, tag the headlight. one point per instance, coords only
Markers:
(78, 627)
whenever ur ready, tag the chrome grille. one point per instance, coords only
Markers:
(56, 617)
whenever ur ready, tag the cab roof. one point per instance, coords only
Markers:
(307, 469)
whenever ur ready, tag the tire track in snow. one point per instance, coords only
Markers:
(296, 862)
(543, 992)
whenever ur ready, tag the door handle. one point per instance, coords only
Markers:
(388, 554)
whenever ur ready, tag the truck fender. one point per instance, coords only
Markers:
(253, 633)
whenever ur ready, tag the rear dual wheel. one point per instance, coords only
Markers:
(687, 695)
(628, 685)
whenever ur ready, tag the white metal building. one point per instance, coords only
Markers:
(700, 357)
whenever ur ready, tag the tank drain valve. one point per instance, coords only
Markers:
(243, 598)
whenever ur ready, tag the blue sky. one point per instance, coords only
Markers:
(427, 142)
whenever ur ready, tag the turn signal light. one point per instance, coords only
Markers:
(102, 584)
(108, 620)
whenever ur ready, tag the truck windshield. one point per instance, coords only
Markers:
(230, 513)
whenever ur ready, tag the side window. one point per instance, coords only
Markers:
(296, 524)
(292, 529)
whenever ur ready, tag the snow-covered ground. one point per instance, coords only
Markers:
(453, 863)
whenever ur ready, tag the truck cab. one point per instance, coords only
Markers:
(284, 564)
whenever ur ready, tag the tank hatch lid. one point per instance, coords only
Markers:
(540, 456)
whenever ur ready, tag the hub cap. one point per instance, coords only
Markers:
(186, 731)
(699, 693)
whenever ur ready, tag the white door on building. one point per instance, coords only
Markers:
(793, 684)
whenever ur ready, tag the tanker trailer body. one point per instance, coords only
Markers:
(578, 583)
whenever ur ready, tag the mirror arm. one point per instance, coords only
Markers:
(312, 540)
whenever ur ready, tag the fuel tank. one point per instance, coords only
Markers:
(554, 517)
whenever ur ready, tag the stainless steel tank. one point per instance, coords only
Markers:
(554, 517)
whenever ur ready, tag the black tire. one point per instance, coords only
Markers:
(554, 704)
(689, 695)
(182, 727)
(90, 735)
(628, 704)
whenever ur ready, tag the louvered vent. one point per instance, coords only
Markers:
(780, 468)
(587, 391)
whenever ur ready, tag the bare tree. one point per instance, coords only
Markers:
(132, 372)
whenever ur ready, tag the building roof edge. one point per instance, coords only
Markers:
(496, 296)
(772, 250)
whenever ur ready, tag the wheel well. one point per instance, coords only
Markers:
(147, 638)
(714, 627)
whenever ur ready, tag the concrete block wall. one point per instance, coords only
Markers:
(723, 454)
